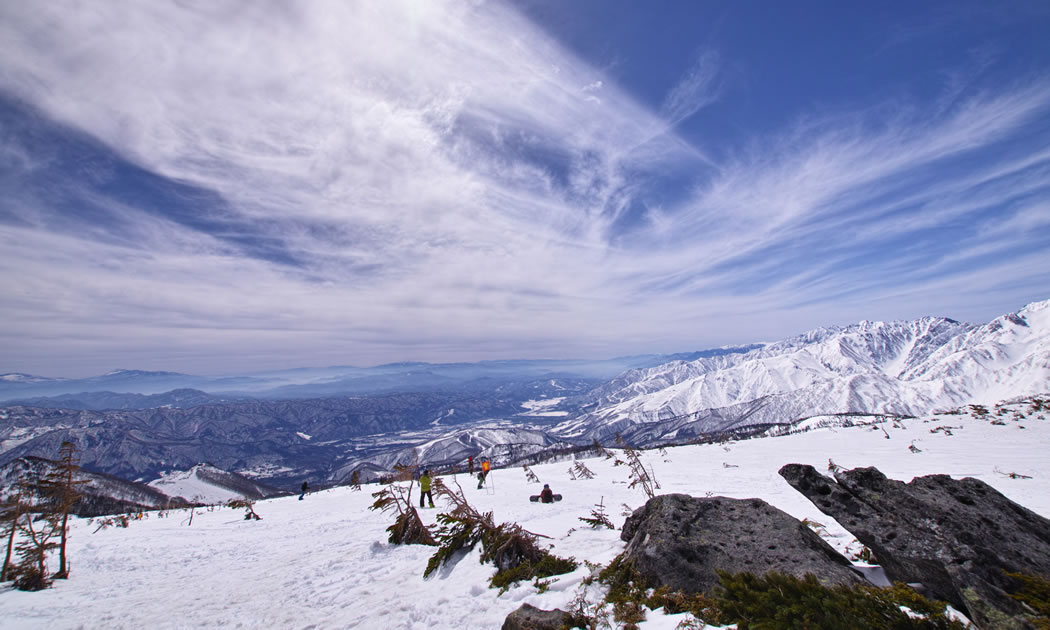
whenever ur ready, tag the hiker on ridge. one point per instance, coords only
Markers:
(305, 489)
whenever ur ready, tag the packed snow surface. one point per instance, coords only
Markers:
(324, 562)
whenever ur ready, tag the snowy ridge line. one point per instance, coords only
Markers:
(796, 427)
(902, 368)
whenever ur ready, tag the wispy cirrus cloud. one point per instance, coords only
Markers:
(362, 182)
(697, 88)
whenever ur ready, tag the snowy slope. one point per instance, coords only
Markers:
(324, 562)
(208, 484)
(907, 368)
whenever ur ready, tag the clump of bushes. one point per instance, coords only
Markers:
(511, 548)
(1034, 592)
(776, 601)
(630, 594)
(408, 528)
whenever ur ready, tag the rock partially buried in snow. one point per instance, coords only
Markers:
(956, 537)
(531, 618)
(680, 541)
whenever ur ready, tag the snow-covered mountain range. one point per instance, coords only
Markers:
(902, 368)
(899, 368)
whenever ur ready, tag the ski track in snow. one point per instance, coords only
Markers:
(324, 562)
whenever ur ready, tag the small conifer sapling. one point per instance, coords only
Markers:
(582, 472)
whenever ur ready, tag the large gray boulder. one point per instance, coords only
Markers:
(531, 618)
(956, 537)
(679, 541)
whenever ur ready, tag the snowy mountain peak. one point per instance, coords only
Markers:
(137, 373)
(18, 377)
(901, 367)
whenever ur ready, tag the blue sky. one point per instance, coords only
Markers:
(215, 186)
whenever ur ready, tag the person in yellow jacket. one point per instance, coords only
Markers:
(424, 488)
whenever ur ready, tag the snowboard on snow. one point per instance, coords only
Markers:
(536, 498)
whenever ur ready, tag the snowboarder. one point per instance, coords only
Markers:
(424, 488)
(484, 473)
(305, 489)
(547, 496)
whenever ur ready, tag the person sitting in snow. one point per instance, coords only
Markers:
(547, 496)
(424, 488)
(305, 489)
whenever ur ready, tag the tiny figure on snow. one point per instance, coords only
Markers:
(470, 465)
(484, 473)
(547, 496)
(424, 488)
(305, 489)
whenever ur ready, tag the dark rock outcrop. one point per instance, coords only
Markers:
(679, 541)
(531, 618)
(956, 537)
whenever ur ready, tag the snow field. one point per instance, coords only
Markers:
(188, 485)
(324, 562)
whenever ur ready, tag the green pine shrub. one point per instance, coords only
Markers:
(775, 601)
(1034, 592)
(510, 547)
(785, 602)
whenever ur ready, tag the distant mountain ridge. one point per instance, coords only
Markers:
(297, 383)
(286, 441)
(904, 368)
(103, 401)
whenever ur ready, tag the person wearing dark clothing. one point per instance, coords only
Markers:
(470, 464)
(485, 465)
(424, 488)
(547, 496)
(305, 489)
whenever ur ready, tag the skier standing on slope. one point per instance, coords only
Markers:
(305, 489)
(485, 465)
(424, 488)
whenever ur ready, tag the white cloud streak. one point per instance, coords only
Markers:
(457, 185)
